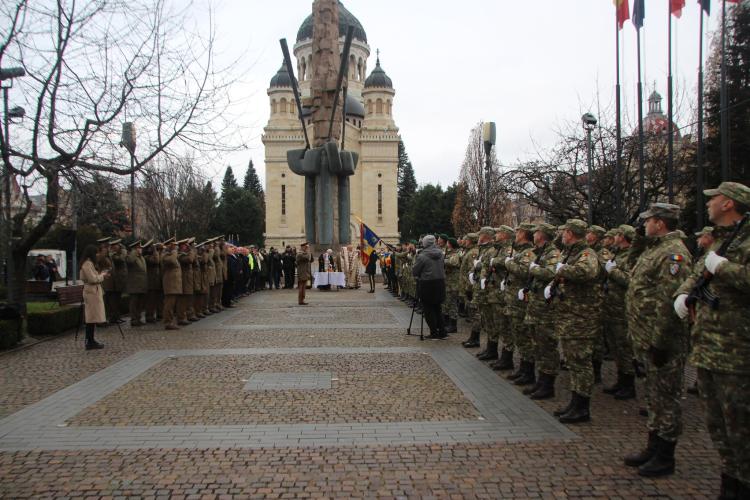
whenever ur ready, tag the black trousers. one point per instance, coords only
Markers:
(434, 317)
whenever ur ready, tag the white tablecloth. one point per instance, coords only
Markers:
(335, 279)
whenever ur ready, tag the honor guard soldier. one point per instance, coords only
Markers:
(152, 254)
(467, 264)
(504, 236)
(594, 238)
(721, 333)
(119, 274)
(185, 258)
(483, 287)
(171, 283)
(452, 269)
(137, 283)
(659, 337)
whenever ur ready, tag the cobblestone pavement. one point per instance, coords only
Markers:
(169, 414)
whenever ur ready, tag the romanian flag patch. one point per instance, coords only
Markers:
(676, 258)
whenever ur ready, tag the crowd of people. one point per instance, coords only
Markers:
(557, 297)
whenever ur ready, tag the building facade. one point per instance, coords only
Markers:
(370, 131)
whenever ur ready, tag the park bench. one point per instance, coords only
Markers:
(38, 290)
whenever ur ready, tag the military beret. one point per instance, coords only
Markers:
(487, 230)
(597, 230)
(662, 211)
(576, 226)
(473, 237)
(413, 242)
(505, 229)
(627, 231)
(548, 229)
(115, 242)
(104, 240)
(706, 230)
(527, 226)
(136, 243)
(732, 190)
(453, 242)
(442, 236)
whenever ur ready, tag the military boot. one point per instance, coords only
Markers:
(518, 373)
(528, 376)
(451, 326)
(597, 371)
(643, 456)
(662, 463)
(546, 388)
(473, 340)
(565, 409)
(614, 388)
(505, 362)
(627, 391)
(530, 390)
(490, 353)
(579, 412)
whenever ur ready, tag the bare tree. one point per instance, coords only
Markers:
(91, 66)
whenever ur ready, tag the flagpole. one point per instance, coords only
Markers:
(724, 130)
(641, 185)
(618, 161)
(670, 115)
(699, 170)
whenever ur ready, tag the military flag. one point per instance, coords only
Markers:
(623, 12)
(639, 13)
(367, 241)
(675, 7)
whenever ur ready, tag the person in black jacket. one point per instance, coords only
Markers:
(287, 262)
(429, 270)
(372, 261)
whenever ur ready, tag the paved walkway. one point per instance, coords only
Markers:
(270, 399)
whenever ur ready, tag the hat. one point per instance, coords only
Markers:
(191, 240)
(413, 242)
(169, 241)
(527, 226)
(148, 243)
(627, 231)
(115, 242)
(453, 242)
(473, 237)
(597, 230)
(611, 233)
(732, 190)
(487, 231)
(104, 240)
(442, 236)
(576, 226)
(303, 244)
(662, 211)
(428, 241)
(200, 245)
(184, 241)
(705, 230)
(136, 243)
(505, 229)
(547, 229)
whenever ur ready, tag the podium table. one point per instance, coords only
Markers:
(333, 279)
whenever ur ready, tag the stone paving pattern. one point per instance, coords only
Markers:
(585, 466)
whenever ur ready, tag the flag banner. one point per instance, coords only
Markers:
(705, 5)
(367, 241)
(676, 6)
(639, 13)
(623, 12)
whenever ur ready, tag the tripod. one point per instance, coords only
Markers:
(421, 321)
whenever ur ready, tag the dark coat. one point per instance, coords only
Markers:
(429, 269)
(372, 262)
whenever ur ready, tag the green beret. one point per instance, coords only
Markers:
(442, 236)
(732, 190)
(413, 242)
(576, 226)
(548, 229)
(453, 242)
(597, 230)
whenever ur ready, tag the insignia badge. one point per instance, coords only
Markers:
(674, 269)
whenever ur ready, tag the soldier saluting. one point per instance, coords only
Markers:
(721, 335)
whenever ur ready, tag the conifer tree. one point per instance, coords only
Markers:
(406, 182)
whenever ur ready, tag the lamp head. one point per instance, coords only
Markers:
(589, 121)
(8, 73)
(16, 112)
(488, 133)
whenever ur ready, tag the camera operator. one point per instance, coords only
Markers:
(429, 270)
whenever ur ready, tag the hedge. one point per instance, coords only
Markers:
(51, 321)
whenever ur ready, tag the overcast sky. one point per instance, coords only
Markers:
(528, 66)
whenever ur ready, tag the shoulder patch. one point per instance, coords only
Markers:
(674, 268)
(676, 257)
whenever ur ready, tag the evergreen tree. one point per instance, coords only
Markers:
(229, 183)
(99, 205)
(239, 212)
(406, 182)
(252, 182)
(429, 211)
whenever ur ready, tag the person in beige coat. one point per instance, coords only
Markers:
(93, 295)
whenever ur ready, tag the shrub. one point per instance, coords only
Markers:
(45, 320)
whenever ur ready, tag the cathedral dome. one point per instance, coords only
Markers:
(281, 78)
(378, 78)
(346, 19)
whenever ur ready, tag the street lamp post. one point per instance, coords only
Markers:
(589, 122)
(7, 75)
(488, 136)
(128, 142)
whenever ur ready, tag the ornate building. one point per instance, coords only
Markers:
(370, 131)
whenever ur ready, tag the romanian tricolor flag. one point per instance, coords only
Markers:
(676, 6)
(623, 12)
(367, 241)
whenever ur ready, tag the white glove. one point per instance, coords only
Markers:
(502, 286)
(492, 261)
(476, 261)
(611, 264)
(548, 292)
(680, 307)
(713, 262)
(471, 278)
(533, 265)
(559, 266)
(521, 295)
(482, 282)
(508, 259)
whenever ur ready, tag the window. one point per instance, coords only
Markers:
(380, 199)
(283, 199)
(369, 107)
(273, 106)
(379, 106)
(282, 103)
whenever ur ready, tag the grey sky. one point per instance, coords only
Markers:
(527, 65)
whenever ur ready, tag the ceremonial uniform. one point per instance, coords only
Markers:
(452, 269)
(482, 287)
(172, 286)
(137, 283)
(154, 296)
(501, 330)
(186, 297)
(120, 279)
(517, 276)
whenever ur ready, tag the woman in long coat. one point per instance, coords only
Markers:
(93, 296)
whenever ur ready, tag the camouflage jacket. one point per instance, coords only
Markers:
(517, 278)
(537, 310)
(617, 285)
(721, 337)
(452, 269)
(577, 299)
(481, 272)
(467, 264)
(503, 250)
(659, 271)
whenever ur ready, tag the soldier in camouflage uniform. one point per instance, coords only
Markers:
(461, 250)
(484, 286)
(452, 268)
(618, 277)
(516, 278)
(501, 324)
(539, 317)
(721, 336)
(467, 288)
(399, 256)
(594, 238)
(574, 297)
(659, 337)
